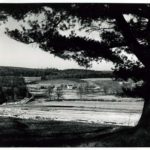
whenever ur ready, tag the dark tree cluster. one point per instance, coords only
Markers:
(12, 89)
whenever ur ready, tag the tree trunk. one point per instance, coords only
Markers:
(144, 121)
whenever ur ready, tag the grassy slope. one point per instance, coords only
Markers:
(33, 133)
(25, 133)
(127, 137)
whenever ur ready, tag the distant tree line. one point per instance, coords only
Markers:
(80, 73)
(51, 73)
(31, 72)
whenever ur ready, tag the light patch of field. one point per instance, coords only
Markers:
(115, 113)
(59, 81)
(97, 79)
(126, 119)
(124, 106)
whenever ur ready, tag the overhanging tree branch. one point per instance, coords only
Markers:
(90, 48)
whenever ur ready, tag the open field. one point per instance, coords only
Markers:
(101, 87)
(115, 113)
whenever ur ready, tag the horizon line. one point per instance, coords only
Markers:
(55, 68)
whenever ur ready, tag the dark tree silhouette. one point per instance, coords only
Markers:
(59, 93)
(122, 28)
(50, 92)
(81, 91)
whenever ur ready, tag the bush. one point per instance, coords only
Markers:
(12, 88)
(137, 91)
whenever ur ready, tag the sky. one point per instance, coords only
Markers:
(14, 53)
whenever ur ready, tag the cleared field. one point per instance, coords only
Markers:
(110, 85)
(97, 79)
(60, 81)
(115, 113)
(106, 87)
(124, 106)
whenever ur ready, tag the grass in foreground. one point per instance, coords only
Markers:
(35, 133)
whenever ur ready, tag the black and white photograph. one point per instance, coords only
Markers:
(74, 74)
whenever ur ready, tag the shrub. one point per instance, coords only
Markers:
(12, 88)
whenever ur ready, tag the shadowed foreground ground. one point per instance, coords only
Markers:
(27, 132)
(33, 133)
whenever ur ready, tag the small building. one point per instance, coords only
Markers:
(69, 87)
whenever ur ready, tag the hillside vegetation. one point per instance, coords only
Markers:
(51, 73)
(12, 88)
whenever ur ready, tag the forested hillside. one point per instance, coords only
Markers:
(50, 73)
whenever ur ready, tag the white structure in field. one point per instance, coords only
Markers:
(69, 87)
